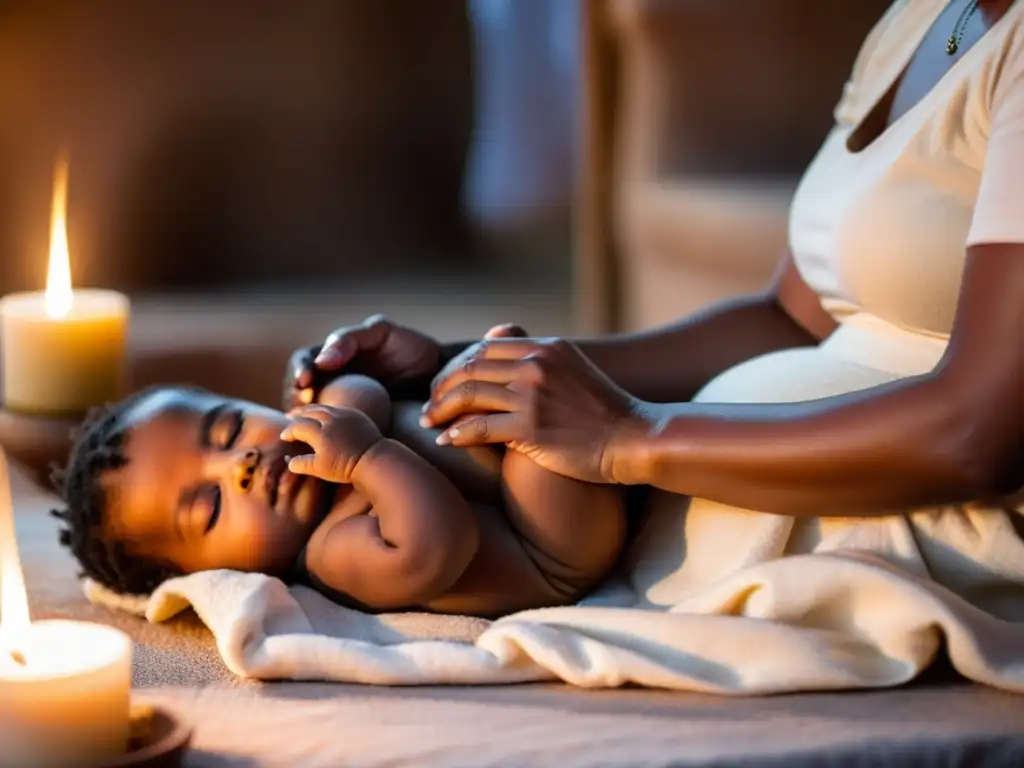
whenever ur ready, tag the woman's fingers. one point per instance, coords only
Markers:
(481, 370)
(302, 397)
(471, 396)
(339, 348)
(507, 331)
(483, 430)
(505, 348)
(302, 367)
(524, 372)
(344, 344)
(475, 351)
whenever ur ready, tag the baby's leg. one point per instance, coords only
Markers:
(574, 531)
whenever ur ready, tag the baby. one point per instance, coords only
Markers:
(349, 495)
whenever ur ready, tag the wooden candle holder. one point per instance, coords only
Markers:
(160, 739)
(37, 442)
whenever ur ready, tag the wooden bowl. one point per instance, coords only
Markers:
(159, 740)
(36, 443)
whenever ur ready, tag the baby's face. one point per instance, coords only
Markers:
(205, 486)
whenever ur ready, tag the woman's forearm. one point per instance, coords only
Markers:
(891, 448)
(672, 363)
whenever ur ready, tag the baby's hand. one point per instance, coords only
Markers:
(339, 438)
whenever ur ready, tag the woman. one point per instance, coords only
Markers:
(883, 371)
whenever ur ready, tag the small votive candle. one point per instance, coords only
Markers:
(66, 702)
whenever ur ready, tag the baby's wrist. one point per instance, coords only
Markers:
(370, 455)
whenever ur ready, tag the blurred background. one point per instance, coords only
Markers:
(255, 173)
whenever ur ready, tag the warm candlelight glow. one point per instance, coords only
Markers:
(58, 277)
(63, 350)
(14, 615)
(65, 686)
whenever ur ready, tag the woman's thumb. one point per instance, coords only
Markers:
(507, 331)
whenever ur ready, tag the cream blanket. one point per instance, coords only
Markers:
(806, 622)
(714, 598)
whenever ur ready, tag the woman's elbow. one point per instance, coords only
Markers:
(983, 454)
(988, 472)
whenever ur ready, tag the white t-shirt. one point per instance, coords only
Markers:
(884, 231)
(881, 235)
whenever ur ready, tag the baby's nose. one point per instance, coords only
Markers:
(245, 469)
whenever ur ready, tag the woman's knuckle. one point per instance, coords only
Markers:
(558, 346)
(534, 369)
(467, 392)
(445, 377)
(481, 429)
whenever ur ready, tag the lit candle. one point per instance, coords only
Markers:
(63, 349)
(65, 686)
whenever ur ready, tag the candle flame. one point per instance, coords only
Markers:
(15, 622)
(57, 299)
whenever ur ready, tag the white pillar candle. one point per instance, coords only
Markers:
(63, 349)
(65, 686)
(64, 364)
(68, 703)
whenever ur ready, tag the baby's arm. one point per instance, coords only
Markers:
(410, 544)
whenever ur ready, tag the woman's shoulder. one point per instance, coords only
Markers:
(1006, 62)
(904, 21)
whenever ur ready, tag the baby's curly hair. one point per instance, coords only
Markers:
(99, 448)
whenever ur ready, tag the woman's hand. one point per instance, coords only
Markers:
(339, 437)
(377, 347)
(385, 351)
(504, 331)
(541, 397)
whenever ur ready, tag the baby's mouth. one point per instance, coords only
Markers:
(277, 469)
(304, 497)
(279, 483)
